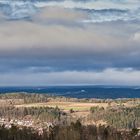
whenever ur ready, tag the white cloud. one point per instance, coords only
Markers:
(136, 37)
(2, 17)
(89, 4)
(23, 35)
(58, 14)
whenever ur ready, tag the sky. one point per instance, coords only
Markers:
(60, 42)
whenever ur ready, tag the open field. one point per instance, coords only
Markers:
(78, 106)
(66, 106)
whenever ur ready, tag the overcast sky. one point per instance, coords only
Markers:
(45, 42)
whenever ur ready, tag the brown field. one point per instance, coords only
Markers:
(66, 106)
(76, 106)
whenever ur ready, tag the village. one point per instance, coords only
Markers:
(28, 123)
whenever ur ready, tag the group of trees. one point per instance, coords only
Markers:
(75, 131)
(42, 113)
(119, 117)
(14, 133)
